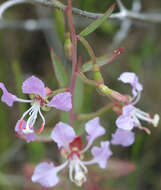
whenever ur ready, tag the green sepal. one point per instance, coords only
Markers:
(60, 72)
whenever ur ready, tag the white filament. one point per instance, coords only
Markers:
(77, 171)
(33, 112)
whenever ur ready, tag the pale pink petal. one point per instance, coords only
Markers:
(30, 137)
(123, 137)
(125, 122)
(127, 110)
(34, 85)
(45, 174)
(7, 97)
(127, 77)
(132, 79)
(101, 154)
(62, 101)
(94, 129)
(63, 134)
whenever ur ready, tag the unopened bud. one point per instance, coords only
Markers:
(68, 46)
(113, 95)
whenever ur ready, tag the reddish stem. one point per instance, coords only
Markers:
(74, 57)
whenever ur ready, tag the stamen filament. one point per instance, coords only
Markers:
(71, 172)
(142, 117)
(41, 128)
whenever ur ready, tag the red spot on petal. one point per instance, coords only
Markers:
(76, 143)
(20, 124)
(41, 128)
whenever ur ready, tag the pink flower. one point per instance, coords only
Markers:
(70, 146)
(35, 87)
(131, 115)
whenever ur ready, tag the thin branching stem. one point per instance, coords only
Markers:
(74, 57)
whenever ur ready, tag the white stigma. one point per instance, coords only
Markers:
(139, 114)
(156, 120)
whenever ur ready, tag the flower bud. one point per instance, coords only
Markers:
(113, 95)
(68, 46)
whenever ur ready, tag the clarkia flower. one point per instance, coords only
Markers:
(131, 115)
(35, 87)
(70, 147)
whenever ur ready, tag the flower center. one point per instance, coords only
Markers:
(33, 113)
(77, 169)
(40, 100)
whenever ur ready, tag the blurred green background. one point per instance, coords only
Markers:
(26, 52)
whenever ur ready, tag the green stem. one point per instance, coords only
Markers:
(97, 74)
(86, 80)
(99, 112)
(88, 48)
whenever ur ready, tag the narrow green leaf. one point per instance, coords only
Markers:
(101, 61)
(94, 25)
(59, 70)
(59, 18)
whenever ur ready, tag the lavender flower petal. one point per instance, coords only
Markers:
(7, 97)
(45, 174)
(132, 79)
(125, 122)
(94, 129)
(101, 154)
(62, 101)
(123, 137)
(127, 110)
(63, 134)
(30, 137)
(34, 85)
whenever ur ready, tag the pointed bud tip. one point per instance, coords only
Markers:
(113, 6)
(118, 51)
